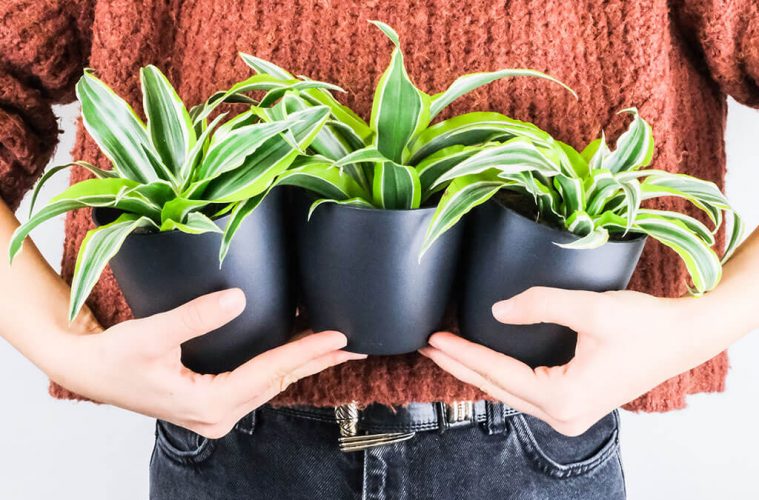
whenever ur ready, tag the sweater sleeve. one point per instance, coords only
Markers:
(726, 33)
(44, 45)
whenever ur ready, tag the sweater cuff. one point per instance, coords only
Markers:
(28, 135)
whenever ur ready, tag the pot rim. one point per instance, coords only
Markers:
(636, 238)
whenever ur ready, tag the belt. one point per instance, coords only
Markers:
(380, 425)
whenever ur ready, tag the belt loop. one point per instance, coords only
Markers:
(247, 424)
(496, 417)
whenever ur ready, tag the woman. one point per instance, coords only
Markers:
(546, 433)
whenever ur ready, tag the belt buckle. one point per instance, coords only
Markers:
(455, 414)
(350, 440)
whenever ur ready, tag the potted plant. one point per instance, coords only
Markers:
(576, 223)
(180, 189)
(374, 186)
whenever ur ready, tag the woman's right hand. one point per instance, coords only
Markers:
(136, 365)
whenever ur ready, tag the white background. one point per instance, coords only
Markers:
(63, 450)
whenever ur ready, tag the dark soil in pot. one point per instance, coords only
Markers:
(359, 273)
(161, 271)
(507, 253)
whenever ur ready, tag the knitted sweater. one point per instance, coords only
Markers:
(675, 60)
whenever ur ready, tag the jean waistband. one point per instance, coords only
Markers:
(414, 417)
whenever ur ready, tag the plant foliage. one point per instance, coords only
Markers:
(595, 194)
(175, 172)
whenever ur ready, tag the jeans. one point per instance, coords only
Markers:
(274, 454)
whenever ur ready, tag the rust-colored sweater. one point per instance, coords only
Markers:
(676, 60)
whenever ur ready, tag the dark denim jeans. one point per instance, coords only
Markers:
(274, 455)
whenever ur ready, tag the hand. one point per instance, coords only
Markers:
(136, 365)
(627, 343)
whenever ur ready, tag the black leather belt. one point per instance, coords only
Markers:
(377, 425)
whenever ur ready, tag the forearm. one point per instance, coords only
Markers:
(33, 301)
(731, 309)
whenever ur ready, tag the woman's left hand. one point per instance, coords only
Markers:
(627, 343)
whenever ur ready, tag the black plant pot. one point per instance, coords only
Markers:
(508, 253)
(359, 273)
(161, 271)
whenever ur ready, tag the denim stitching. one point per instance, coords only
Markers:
(203, 449)
(553, 468)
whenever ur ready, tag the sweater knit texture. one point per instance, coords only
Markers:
(675, 60)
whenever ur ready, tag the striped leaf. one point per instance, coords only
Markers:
(194, 223)
(461, 196)
(88, 193)
(514, 156)
(322, 180)
(272, 158)
(98, 248)
(635, 147)
(97, 172)
(229, 152)
(471, 129)
(434, 166)
(702, 262)
(194, 157)
(241, 210)
(169, 124)
(116, 129)
(572, 194)
(467, 83)
(396, 187)
(400, 110)
(352, 202)
(316, 96)
(595, 238)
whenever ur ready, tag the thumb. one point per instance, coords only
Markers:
(195, 318)
(546, 305)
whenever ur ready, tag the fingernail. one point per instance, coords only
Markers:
(502, 309)
(354, 355)
(232, 300)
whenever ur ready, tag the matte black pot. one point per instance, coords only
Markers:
(359, 274)
(161, 271)
(508, 253)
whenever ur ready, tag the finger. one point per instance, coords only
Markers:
(547, 305)
(306, 370)
(509, 374)
(278, 363)
(473, 378)
(195, 318)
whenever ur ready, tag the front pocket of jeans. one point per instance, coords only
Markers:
(563, 456)
(182, 445)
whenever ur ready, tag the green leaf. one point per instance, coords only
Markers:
(195, 155)
(97, 172)
(400, 110)
(240, 211)
(169, 123)
(594, 239)
(98, 248)
(195, 223)
(572, 194)
(702, 262)
(272, 158)
(323, 180)
(575, 160)
(116, 129)
(178, 209)
(431, 168)
(264, 67)
(635, 147)
(343, 114)
(352, 202)
(514, 156)
(473, 128)
(230, 152)
(461, 196)
(467, 83)
(396, 187)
